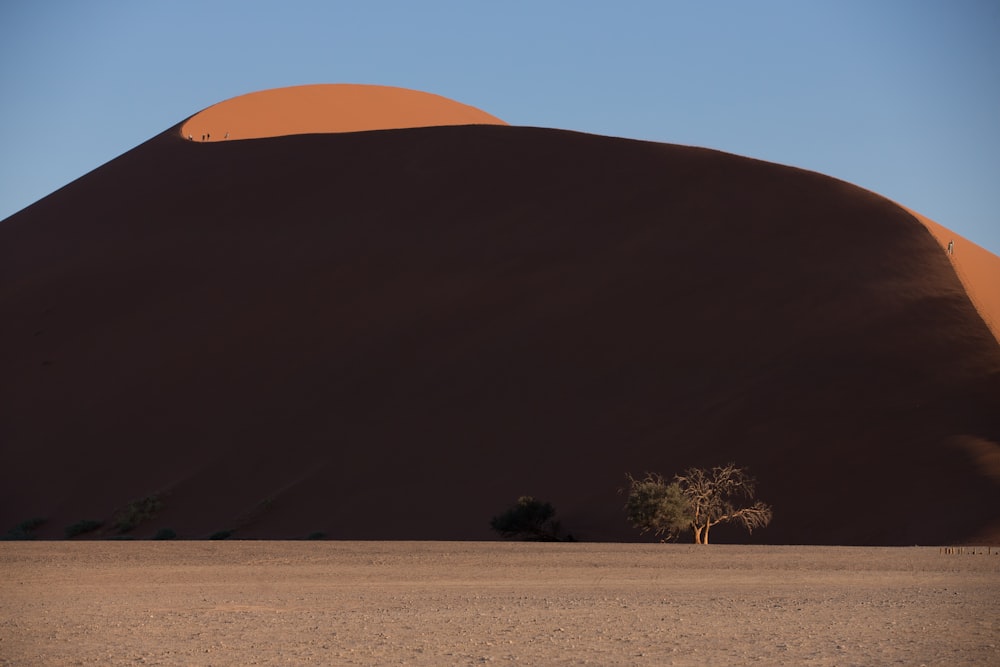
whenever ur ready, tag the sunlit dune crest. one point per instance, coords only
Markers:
(328, 108)
(976, 267)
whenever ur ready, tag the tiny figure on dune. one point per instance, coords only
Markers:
(227, 135)
(951, 247)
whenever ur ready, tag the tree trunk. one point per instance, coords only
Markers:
(697, 533)
(704, 534)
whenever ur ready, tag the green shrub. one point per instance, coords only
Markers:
(136, 512)
(221, 535)
(316, 535)
(24, 530)
(528, 519)
(81, 527)
(165, 534)
(29, 525)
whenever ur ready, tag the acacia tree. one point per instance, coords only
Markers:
(696, 500)
(654, 506)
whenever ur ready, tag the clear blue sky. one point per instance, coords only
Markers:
(898, 96)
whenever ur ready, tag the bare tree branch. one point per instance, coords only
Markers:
(696, 500)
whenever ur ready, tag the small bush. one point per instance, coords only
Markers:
(81, 527)
(316, 535)
(165, 534)
(29, 525)
(136, 512)
(528, 519)
(24, 530)
(221, 535)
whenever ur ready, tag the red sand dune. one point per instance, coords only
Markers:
(395, 334)
(977, 268)
(326, 108)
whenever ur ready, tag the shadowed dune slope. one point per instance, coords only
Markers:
(325, 108)
(394, 334)
(977, 268)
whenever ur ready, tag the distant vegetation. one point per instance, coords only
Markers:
(82, 527)
(696, 500)
(136, 512)
(528, 519)
(24, 530)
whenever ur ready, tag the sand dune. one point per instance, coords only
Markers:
(324, 108)
(977, 268)
(394, 334)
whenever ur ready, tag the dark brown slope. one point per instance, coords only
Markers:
(394, 334)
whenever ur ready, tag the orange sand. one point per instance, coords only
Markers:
(325, 108)
(977, 268)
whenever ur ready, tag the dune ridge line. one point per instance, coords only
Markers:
(327, 108)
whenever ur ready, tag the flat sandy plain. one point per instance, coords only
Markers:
(462, 603)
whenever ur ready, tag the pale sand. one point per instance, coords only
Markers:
(461, 603)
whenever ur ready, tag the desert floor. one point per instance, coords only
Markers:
(460, 603)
